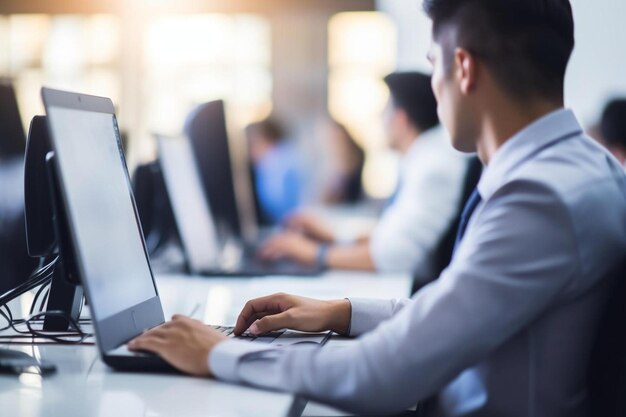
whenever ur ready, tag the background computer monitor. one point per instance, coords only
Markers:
(194, 221)
(206, 129)
(12, 137)
(46, 227)
(15, 264)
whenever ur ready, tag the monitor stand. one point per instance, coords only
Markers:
(66, 293)
(65, 297)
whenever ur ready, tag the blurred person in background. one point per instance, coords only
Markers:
(418, 214)
(275, 168)
(342, 182)
(613, 129)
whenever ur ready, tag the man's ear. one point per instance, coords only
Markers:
(465, 70)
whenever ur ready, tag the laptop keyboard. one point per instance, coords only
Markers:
(247, 336)
(226, 330)
(289, 338)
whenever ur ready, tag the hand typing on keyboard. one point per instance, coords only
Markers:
(183, 342)
(267, 338)
(186, 343)
(283, 311)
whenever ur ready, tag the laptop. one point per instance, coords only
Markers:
(104, 228)
(205, 253)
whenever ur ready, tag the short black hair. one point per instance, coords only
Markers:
(613, 124)
(269, 128)
(526, 44)
(412, 92)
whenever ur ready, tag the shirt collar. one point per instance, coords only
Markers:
(421, 142)
(539, 134)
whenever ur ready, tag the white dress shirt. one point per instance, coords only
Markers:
(432, 174)
(507, 328)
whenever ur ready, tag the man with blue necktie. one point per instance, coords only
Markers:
(508, 328)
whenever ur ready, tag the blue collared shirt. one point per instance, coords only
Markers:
(507, 328)
(278, 182)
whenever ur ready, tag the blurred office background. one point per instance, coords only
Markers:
(316, 66)
(300, 60)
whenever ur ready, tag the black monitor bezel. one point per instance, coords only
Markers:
(118, 329)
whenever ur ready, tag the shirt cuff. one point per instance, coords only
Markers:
(367, 314)
(224, 358)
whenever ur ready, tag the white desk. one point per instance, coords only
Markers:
(84, 386)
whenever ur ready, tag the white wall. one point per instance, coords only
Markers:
(413, 32)
(598, 68)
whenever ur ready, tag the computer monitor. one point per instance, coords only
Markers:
(189, 204)
(46, 227)
(102, 220)
(12, 137)
(206, 129)
(15, 265)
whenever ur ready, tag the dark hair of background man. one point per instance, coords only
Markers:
(526, 44)
(269, 128)
(412, 92)
(613, 124)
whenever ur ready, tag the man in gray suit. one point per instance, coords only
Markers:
(508, 328)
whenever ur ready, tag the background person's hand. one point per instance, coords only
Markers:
(310, 226)
(292, 246)
(183, 342)
(284, 311)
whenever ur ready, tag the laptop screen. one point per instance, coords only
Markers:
(99, 202)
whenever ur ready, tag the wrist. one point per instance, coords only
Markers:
(321, 255)
(330, 238)
(210, 349)
(340, 316)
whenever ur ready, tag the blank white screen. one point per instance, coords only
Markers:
(100, 210)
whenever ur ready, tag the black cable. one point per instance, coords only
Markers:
(42, 276)
(45, 299)
(14, 323)
(78, 334)
(12, 294)
(37, 294)
(25, 287)
(34, 280)
(8, 326)
(58, 337)
(81, 336)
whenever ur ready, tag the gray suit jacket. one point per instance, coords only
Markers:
(507, 329)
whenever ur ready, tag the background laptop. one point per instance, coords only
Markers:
(104, 228)
(205, 253)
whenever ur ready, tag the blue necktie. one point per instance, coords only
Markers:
(470, 206)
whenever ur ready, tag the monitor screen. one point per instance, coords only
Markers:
(206, 129)
(100, 209)
(191, 211)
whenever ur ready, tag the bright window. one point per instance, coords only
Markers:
(362, 50)
(164, 66)
(72, 52)
(191, 59)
